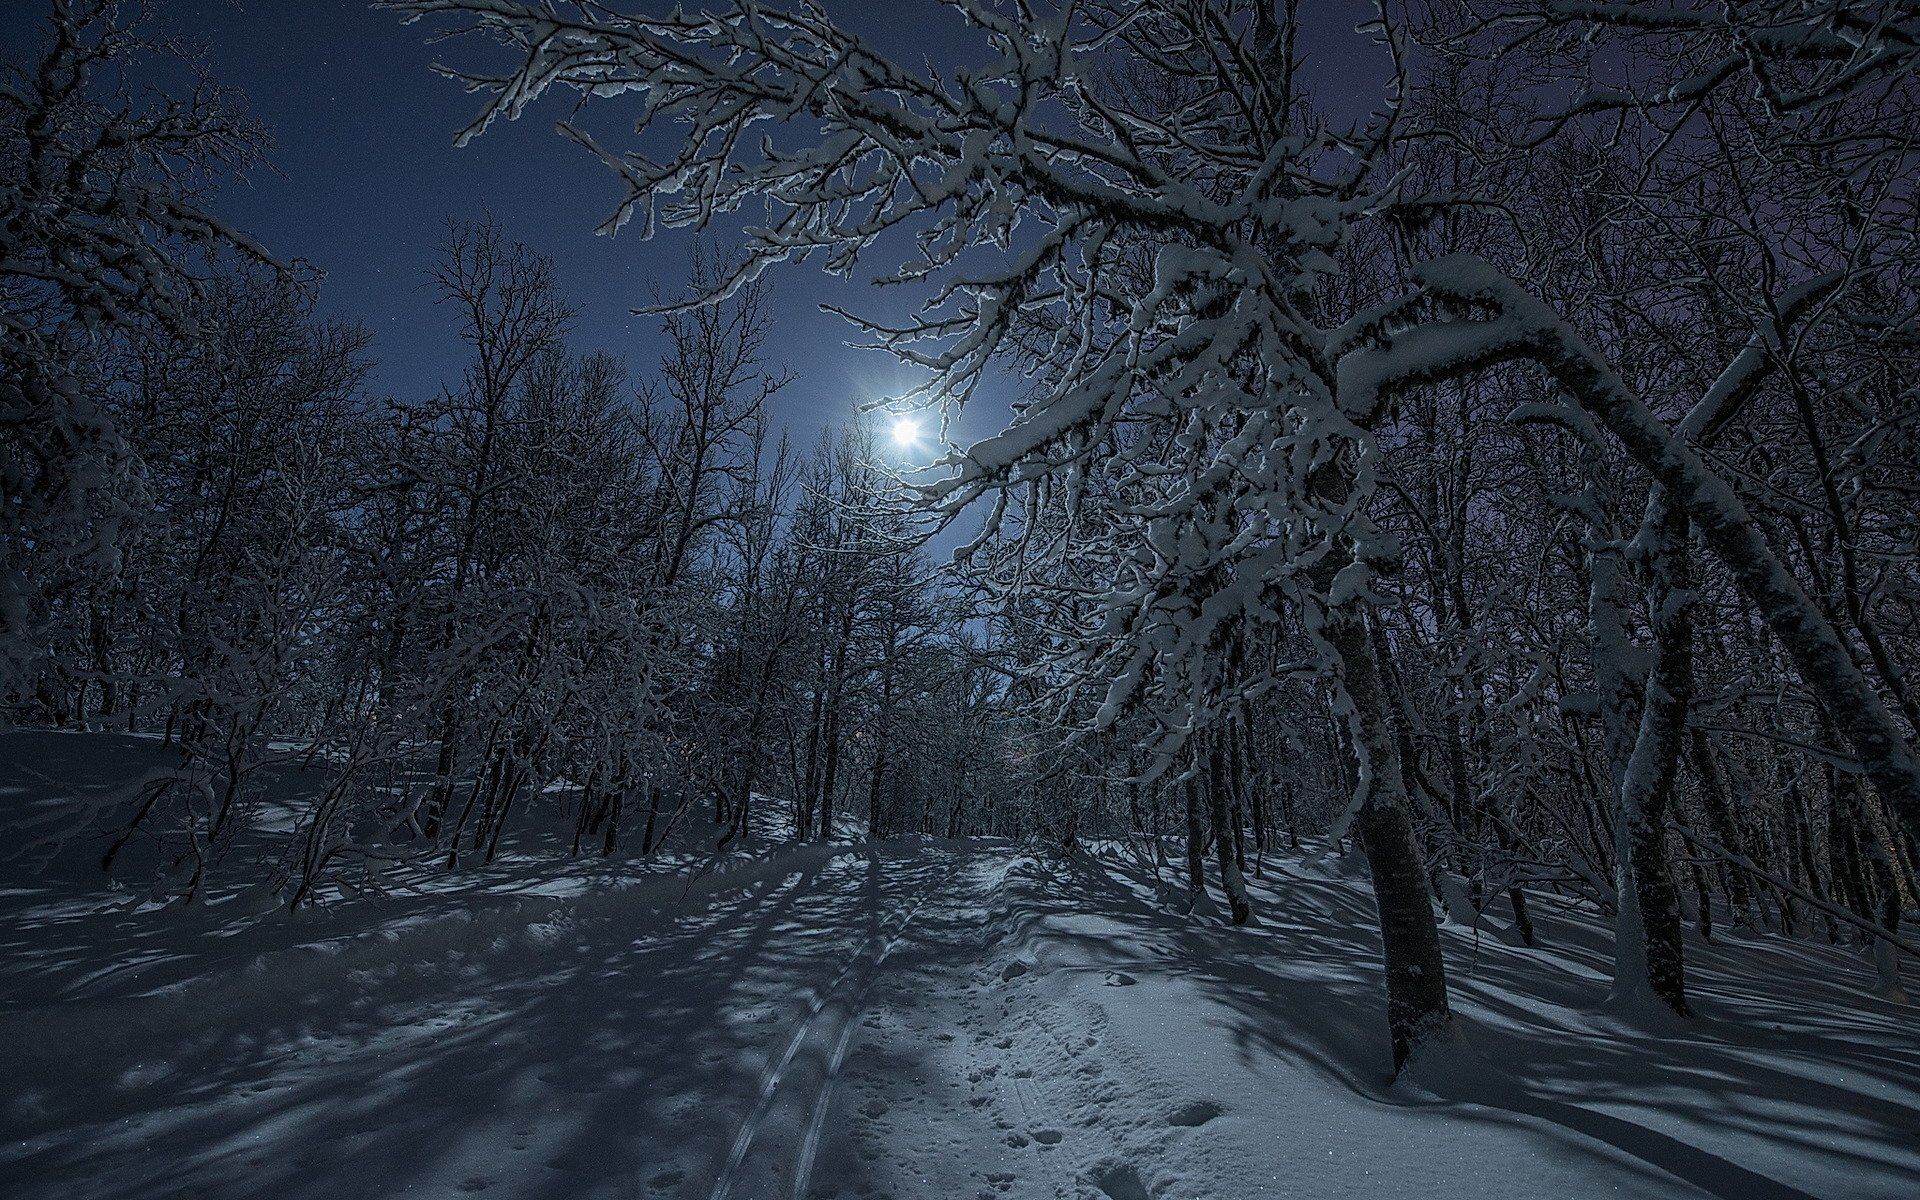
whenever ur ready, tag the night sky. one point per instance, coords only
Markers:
(363, 176)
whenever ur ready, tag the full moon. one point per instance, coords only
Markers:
(906, 431)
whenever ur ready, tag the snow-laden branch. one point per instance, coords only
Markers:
(1520, 327)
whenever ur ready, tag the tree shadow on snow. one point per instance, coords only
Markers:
(560, 1056)
(1790, 1060)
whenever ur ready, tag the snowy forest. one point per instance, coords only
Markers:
(1367, 644)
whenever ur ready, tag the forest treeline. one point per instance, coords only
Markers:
(561, 575)
(1519, 480)
(556, 576)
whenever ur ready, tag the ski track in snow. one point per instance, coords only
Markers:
(830, 1014)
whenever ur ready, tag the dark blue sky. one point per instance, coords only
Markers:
(364, 175)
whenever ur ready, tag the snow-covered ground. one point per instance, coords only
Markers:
(906, 1019)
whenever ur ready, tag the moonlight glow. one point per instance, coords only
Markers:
(906, 431)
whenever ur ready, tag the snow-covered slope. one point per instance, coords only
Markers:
(906, 1019)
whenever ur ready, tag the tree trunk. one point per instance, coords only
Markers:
(1256, 786)
(1196, 845)
(810, 789)
(1218, 783)
(1713, 798)
(1649, 954)
(1417, 1007)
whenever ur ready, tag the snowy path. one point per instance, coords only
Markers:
(912, 1020)
(538, 1050)
(779, 1139)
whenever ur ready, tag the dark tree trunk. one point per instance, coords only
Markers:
(1416, 979)
(1218, 784)
(1196, 844)
(1417, 1007)
(1713, 798)
(1647, 782)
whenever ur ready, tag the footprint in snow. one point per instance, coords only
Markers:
(1119, 1181)
(1120, 979)
(1194, 1113)
(1048, 1137)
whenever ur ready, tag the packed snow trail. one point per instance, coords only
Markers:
(914, 1020)
(794, 1092)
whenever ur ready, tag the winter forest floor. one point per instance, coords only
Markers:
(905, 1018)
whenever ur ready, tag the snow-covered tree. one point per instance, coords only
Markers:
(1166, 214)
(1130, 206)
(103, 235)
